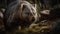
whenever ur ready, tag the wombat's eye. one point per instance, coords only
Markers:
(27, 13)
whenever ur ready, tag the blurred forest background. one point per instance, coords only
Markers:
(44, 3)
(41, 5)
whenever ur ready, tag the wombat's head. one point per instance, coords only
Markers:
(28, 11)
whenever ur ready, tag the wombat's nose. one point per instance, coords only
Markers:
(33, 18)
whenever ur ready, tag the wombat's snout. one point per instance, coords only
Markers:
(33, 18)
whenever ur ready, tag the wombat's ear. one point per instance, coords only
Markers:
(24, 6)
